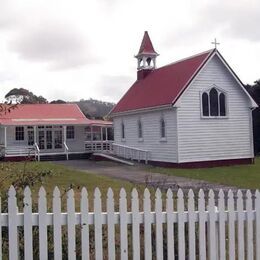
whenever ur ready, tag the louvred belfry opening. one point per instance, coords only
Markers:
(146, 57)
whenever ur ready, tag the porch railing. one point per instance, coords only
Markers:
(66, 150)
(98, 146)
(18, 151)
(37, 151)
(131, 153)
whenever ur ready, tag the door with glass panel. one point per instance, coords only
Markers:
(57, 137)
(49, 138)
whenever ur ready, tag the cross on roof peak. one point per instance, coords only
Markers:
(215, 43)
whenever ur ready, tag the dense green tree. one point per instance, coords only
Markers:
(254, 91)
(24, 96)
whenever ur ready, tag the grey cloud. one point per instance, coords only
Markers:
(237, 19)
(229, 19)
(113, 87)
(8, 16)
(59, 46)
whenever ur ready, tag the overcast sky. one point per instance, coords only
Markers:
(64, 49)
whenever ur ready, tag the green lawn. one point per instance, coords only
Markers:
(64, 178)
(241, 176)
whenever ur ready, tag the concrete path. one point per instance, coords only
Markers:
(141, 174)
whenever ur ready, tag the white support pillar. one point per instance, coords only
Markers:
(106, 133)
(34, 135)
(91, 137)
(65, 141)
(64, 133)
(5, 137)
(101, 138)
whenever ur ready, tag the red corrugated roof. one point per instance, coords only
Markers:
(163, 85)
(46, 114)
(146, 45)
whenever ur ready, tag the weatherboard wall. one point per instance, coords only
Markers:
(160, 150)
(75, 145)
(204, 139)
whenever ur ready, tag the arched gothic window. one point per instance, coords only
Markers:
(140, 129)
(213, 103)
(162, 126)
(122, 130)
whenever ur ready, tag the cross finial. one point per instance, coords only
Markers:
(215, 43)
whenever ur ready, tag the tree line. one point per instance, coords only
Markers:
(91, 108)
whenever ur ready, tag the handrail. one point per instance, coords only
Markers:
(131, 153)
(129, 147)
(37, 150)
(66, 150)
(98, 145)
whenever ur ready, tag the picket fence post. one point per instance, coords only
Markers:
(147, 225)
(42, 206)
(257, 207)
(232, 227)
(111, 224)
(84, 205)
(12, 224)
(27, 209)
(135, 225)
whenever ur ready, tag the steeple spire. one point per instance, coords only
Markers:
(146, 57)
(146, 46)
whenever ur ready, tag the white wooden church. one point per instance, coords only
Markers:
(193, 112)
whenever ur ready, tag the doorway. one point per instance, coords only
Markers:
(49, 138)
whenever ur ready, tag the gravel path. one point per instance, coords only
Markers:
(141, 174)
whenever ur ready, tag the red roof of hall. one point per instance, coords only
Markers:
(146, 45)
(163, 85)
(46, 114)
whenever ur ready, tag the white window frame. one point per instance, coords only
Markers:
(122, 130)
(20, 132)
(162, 139)
(140, 123)
(70, 132)
(219, 90)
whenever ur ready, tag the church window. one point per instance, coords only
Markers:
(205, 104)
(213, 103)
(222, 104)
(162, 126)
(213, 100)
(140, 129)
(122, 130)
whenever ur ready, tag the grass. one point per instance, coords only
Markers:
(241, 176)
(65, 178)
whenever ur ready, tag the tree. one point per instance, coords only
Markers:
(24, 96)
(58, 101)
(254, 91)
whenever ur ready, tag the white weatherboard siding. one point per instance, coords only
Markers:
(75, 145)
(202, 139)
(165, 151)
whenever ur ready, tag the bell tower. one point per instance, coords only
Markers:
(146, 57)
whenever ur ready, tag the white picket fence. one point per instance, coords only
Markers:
(167, 227)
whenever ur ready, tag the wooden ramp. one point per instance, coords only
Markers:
(113, 158)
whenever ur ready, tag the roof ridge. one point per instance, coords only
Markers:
(188, 58)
